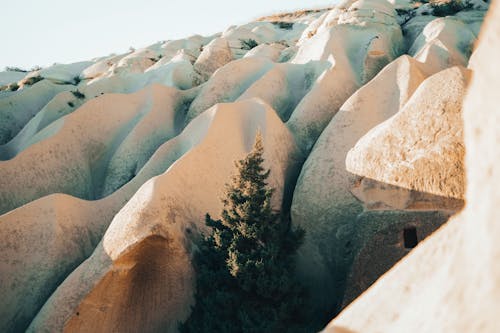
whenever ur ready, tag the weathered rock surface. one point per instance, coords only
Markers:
(215, 55)
(331, 191)
(17, 109)
(61, 73)
(450, 282)
(228, 83)
(421, 148)
(152, 160)
(439, 46)
(146, 249)
(285, 85)
(75, 154)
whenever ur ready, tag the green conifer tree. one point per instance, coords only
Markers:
(245, 278)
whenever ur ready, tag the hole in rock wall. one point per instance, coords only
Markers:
(410, 237)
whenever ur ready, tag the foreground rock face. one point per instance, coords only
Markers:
(450, 282)
(108, 166)
(333, 188)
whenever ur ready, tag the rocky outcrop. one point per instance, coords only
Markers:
(332, 191)
(88, 151)
(108, 166)
(215, 55)
(228, 83)
(285, 85)
(17, 109)
(421, 148)
(359, 38)
(451, 278)
(440, 46)
(145, 251)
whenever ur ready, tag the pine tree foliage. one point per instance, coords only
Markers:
(245, 279)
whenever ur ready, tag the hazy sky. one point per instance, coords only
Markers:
(41, 32)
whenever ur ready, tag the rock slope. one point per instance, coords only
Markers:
(108, 166)
(450, 282)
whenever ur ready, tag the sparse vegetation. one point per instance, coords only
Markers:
(292, 15)
(446, 7)
(10, 87)
(15, 69)
(405, 15)
(78, 94)
(283, 25)
(245, 279)
(248, 44)
(32, 80)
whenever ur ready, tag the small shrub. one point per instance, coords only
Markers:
(248, 44)
(10, 87)
(405, 15)
(311, 34)
(71, 104)
(15, 69)
(32, 80)
(284, 25)
(76, 80)
(13, 86)
(445, 8)
(78, 94)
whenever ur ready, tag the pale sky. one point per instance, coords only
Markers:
(41, 32)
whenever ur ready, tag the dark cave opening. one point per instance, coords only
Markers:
(410, 237)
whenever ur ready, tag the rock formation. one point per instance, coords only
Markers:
(108, 166)
(450, 282)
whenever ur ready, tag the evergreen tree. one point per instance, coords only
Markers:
(245, 268)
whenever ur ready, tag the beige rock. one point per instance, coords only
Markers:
(269, 51)
(73, 154)
(140, 276)
(285, 85)
(215, 55)
(135, 62)
(450, 282)
(17, 109)
(228, 83)
(323, 203)
(47, 238)
(421, 148)
(101, 67)
(444, 42)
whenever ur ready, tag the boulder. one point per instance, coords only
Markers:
(421, 148)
